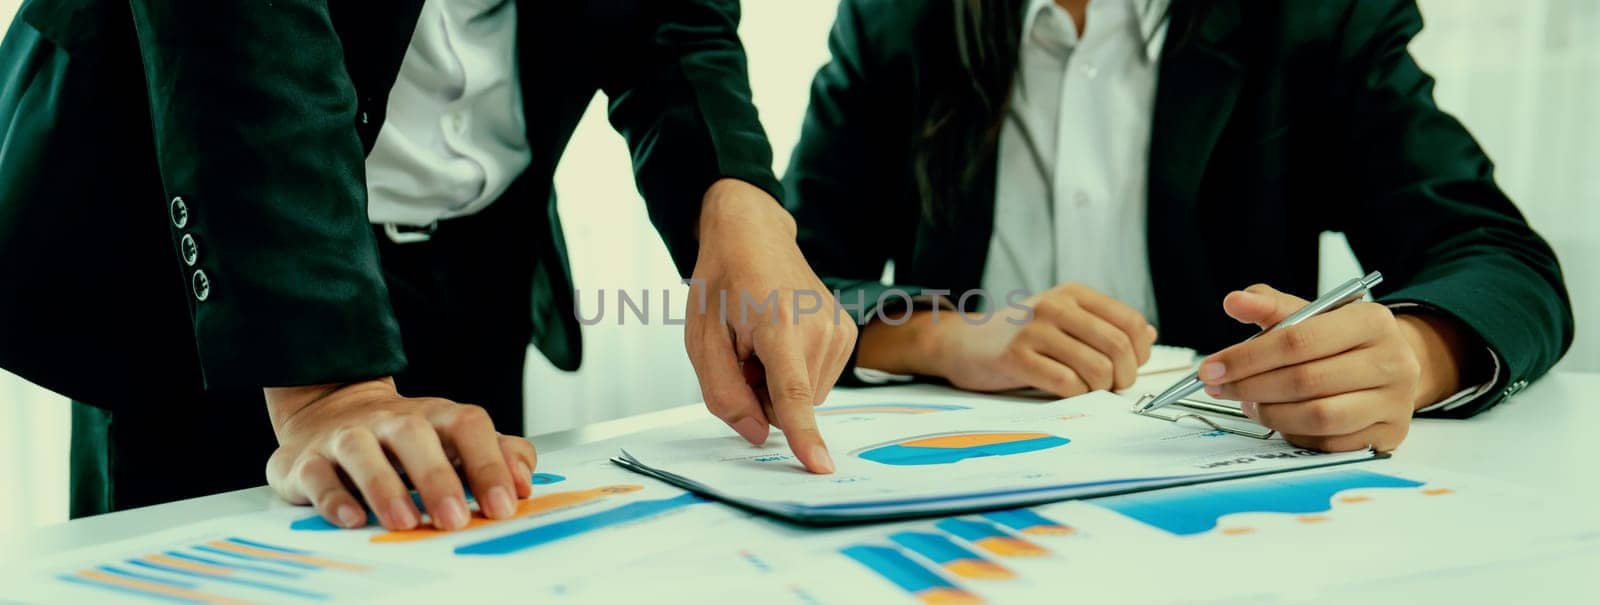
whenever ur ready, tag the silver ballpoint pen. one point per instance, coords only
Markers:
(1346, 293)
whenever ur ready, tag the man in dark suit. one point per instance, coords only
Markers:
(186, 234)
(1203, 145)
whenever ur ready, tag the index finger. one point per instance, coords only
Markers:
(1122, 316)
(1315, 338)
(790, 386)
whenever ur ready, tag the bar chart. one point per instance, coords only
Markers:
(235, 570)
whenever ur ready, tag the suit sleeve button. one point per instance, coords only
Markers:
(180, 212)
(190, 250)
(201, 285)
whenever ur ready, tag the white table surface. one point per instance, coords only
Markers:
(1542, 438)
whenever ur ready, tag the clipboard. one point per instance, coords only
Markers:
(1215, 414)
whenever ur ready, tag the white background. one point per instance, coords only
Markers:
(1524, 77)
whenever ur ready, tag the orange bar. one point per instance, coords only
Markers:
(948, 596)
(189, 565)
(979, 569)
(172, 591)
(1011, 547)
(533, 506)
(1049, 530)
(972, 439)
(284, 556)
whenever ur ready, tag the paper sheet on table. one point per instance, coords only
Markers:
(594, 533)
(1167, 359)
(1264, 539)
(585, 515)
(1090, 445)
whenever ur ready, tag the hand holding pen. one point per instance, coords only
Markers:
(1340, 376)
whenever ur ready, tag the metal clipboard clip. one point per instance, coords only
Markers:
(1215, 415)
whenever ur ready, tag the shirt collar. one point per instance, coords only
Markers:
(1152, 21)
(1030, 16)
(1153, 17)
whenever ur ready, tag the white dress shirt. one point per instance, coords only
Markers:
(454, 138)
(1070, 192)
(1074, 150)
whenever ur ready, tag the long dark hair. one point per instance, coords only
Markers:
(962, 123)
(971, 106)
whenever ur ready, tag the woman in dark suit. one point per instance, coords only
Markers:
(1101, 168)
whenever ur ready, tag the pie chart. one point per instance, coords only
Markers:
(887, 408)
(950, 448)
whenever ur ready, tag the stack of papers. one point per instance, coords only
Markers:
(960, 461)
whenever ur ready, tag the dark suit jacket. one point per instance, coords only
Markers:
(1274, 122)
(259, 115)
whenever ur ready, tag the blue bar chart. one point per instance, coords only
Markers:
(949, 560)
(235, 570)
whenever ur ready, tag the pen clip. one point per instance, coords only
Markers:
(1198, 410)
